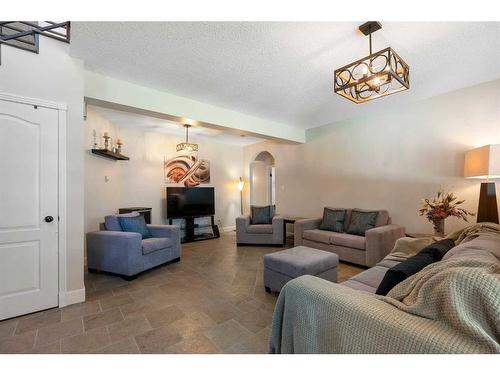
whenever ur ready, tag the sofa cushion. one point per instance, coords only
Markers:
(382, 217)
(135, 224)
(347, 217)
(333, 220)
(318, 235)
(348, 240)
(300, 260)
(261, 214)
(111, 222)
(361, 221)
(260, 228)
(428, 255)
(484, 246)
(371, 277)
(154, 244)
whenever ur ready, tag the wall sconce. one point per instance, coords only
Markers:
(241, 185)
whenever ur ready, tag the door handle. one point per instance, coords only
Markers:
(49, 219)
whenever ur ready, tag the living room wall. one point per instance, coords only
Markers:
(53, 75)
(388, 160)
(140, 181)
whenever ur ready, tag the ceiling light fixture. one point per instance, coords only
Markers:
(186, 146)
(378, 74)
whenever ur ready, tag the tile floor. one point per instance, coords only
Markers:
(212, 301)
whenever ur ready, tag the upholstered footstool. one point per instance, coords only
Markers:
(283, 266)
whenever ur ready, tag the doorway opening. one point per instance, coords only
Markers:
(263, 180)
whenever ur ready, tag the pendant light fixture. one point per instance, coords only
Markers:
(186, 146)
(378, 74)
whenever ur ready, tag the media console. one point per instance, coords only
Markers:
(190, 227)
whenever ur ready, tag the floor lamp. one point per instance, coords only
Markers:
(484, 163)
(241, 184)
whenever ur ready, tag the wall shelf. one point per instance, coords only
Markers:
(110, 154)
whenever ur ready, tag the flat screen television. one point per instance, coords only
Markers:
(190, 202)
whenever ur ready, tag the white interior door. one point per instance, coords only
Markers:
(28, 201)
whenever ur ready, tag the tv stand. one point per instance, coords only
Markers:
(190, 236)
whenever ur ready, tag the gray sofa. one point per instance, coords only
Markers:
(126, 253)
(259, 234)
(363, 250)
(453, 311)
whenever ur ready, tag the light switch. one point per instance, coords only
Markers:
(106, 179)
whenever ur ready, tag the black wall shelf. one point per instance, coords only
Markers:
(110, 154)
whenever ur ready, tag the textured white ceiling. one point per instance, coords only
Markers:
(153, 124)
(283, 71)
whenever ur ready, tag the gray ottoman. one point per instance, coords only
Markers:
(283, 266)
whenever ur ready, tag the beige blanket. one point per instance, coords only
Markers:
(463, 293)
(472, 232)
(407, 247)
(452, 306)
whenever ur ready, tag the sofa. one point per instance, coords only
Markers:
(450, 306)
(259, 234)
(364, 250)
(126, 254)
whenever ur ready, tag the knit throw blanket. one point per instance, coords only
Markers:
(452, 306)
(473, 231)
(462, 293)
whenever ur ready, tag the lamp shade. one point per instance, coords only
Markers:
(483, 162)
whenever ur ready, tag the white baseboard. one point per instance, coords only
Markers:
(229, 229)
(71, 297)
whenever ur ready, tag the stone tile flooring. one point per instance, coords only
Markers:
(212, 301)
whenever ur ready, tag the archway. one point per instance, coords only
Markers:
(262, 180)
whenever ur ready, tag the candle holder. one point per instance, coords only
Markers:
(119, 143)
(106, 141)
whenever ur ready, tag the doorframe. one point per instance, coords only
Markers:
(62, 109)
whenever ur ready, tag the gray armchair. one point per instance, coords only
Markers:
(259, 234)
(126, 253)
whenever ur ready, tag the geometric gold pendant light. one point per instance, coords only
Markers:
(379, 74)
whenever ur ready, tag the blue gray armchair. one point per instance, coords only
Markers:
(126, 253)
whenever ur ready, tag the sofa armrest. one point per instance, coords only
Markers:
(313, 315)
(242, 222)
(166, 231)
(302, 225)
(380, 241)
(278, 228)
(113, 251)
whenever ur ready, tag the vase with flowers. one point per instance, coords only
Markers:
(437, 209)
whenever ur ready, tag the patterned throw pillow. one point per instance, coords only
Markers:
(135, 224)
(333, 220)
(361, 222)
(262, 214)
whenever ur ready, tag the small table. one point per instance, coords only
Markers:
(289, 220)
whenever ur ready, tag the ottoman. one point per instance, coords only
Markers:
(283, 266)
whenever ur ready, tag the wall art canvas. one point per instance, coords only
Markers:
(187, 170)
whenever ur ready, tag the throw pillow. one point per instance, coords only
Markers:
(361, 222)
(135, 224)
(333, 220)
(261, 214)
(111, 221)
(400, 272)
